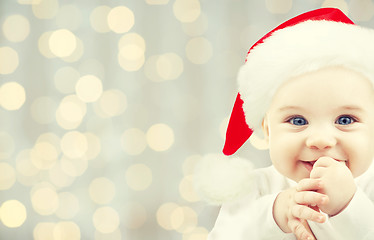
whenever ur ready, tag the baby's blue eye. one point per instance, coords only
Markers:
(298, 121)
(345, 120)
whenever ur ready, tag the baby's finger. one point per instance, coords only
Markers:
(324, 162)
(299, 230)
(309, 184)
(304, 212)
(311, 198)
(317, 172)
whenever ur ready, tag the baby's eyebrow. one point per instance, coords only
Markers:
(287, 108)
(352, 108)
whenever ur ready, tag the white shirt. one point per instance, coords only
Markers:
(251, 217)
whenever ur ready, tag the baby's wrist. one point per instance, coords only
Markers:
(279, 212)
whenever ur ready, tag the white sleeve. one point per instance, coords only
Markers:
(354, 222)
(357, 220)
(249, 218)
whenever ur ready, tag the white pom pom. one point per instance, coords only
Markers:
(220, 179)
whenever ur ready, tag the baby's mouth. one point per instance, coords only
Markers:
(309, 165)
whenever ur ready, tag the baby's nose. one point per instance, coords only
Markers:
(321, 139)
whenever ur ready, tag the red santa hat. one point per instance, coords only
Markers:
(308, 42)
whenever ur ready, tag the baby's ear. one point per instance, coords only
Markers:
(265, 127)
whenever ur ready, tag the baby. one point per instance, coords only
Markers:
(307, 88)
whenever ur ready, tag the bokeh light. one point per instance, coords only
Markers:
(65, 79)
(160, 137)
(77, 53)
(199, 50)
(187, 191)
(136, 215)
(190, 163)
(24, 164)
(187, 10)
(93, 145)
(133, 141)
(13, 213)
(45, 9)
(16, 28)
(183, 219)
(12, 96)
(7, 176)
(169, 66)
(279, 6)
(138, 177)
(163, 215)
(43, 45)
(73, 167)
(44, 231)
(112, 102)
(106, 219)
(62, 43)
(120, 19)
(198, 233)
(116, 235)
(157, 2)
(102, 190)
(44, 155)
(74, 144)
(70, 112)
(8, 60)
(98, 19)
(197, 27)
(59, 177)
(29, 2)
(89, 88)
(68, 206)
(44, 199)
(66, 231)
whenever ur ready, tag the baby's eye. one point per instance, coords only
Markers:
(298, 121)
(345, 120)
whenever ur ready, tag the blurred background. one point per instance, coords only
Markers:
(106, 106)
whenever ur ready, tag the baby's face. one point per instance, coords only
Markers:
(329, 112)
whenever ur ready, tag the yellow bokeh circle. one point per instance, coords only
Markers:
(8, 60)
(102, 190)
(120, 19)
(62, 43)
(12, 96)
(13, 213)
(106, 220)
(16, 28)
(187, 10)
(89, 88)
(138, 177)
(133, 141)
(160, 137)
(74, 144)
(98, 19)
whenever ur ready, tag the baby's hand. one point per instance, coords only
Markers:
(291, 209)
(336, 182)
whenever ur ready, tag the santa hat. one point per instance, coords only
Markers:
(308, 42)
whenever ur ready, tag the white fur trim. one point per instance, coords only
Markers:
(220, 179)
(302, 48)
